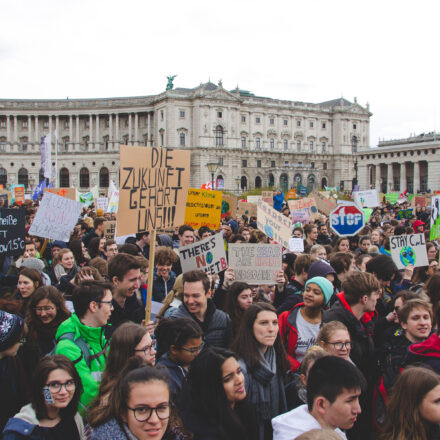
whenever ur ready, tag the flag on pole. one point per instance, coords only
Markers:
(46, 156)
(39, 190)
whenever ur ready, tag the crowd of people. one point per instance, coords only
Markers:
(342, 344)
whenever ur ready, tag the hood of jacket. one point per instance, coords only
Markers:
(429, 348)
(368, 316)
(416, 224)
(74, 325)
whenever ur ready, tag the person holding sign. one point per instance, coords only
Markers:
(164, 277)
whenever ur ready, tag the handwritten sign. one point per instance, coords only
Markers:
(255, 263)
(274, 224)
(203, 208)
(19, 194)
(296, 244)
(247, 208)
(409, 249)
(306, 205)
(102, 203)
(113, 202)
(70, 193)
(56, 217)
(253, 199)
(267, 197)
(291, 194)
(366, 199)
(153, 188)
(391, 197)
(109, 229)
(324, 204)
(208, 255)
(12, 231)
(229, 205)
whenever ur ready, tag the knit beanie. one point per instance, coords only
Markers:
(325, 285)
(11, 328)
(319, 269)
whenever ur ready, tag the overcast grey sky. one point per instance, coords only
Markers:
(383, 52)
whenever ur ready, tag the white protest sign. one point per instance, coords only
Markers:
(208, 255)
(255, 263)
(113, 202)
(296, 244)
(366, 199)
(102, 203)
(56, 217)
(409, 249)
(274, 224)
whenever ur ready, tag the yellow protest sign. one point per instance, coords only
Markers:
(203, 208)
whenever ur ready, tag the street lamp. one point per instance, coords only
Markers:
(237, 181)
(212, 167)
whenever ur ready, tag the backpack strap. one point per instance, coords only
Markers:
(82, 345)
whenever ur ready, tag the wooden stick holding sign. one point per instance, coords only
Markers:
(150, 276)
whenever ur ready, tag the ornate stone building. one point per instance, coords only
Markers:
(412, 163)
(256, 141)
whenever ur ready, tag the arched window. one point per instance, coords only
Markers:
(220, 182)
(219, 136)
(310, 182)
(84, 178)
(23, 177)
(64, 178)
(3, 176)
(271, 180)
(258, 182)
(323, 183)
(284, 182)
(298, 178)
(103, 178)
(243, 183)
(182, 139)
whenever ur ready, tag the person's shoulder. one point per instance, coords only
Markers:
(111, 429)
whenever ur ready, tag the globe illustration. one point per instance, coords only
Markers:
(268, 231)
(407, 256)
(209, 257)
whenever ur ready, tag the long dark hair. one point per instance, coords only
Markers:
(204, 389)
(232, 308)
(42, 371)
(248, 348)
(76, 247)
(93, 247)
(432, 288)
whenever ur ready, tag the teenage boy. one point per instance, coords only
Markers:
(197, 305)
(81, 337)
(333, 389)
(97, 231)
(186, 236)
(110, 250)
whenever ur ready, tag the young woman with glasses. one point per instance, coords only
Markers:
(52, 413)
(335, 339)
(129, 340)
(139, 408)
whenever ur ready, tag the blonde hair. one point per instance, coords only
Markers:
(327, 329)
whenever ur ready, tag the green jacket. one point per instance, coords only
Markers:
(96, 341)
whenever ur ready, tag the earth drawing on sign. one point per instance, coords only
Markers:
(407, 256)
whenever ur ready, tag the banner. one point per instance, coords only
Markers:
(253, 199)
(274, 224)
(306, 205)
(46, 156)
(255, 263)
(247, 208)
(109, 229)
(435, 218)
(208, 255)
(56, 217)
(70, 193)
(409, 249)
(153, 188)
(203, 208)
(12, 231)
(102, 203)
(229, 205)
(113, 202)
(366, 199)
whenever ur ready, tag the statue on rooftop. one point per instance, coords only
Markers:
(170, 84)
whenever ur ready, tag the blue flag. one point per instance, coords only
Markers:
(39, 190)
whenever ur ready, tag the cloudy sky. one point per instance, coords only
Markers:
(382, 52)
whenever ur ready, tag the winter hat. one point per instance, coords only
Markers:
(289, 258)
(99, 212)
(11, 329)
(60, 244)
(319, 269)
(33, 263)
(325, 285)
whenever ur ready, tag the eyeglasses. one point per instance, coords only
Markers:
(143, 413)
(148, 348)
(194, 350)
(341, 345)
(55, 387)
(44, 309)
(104, 302)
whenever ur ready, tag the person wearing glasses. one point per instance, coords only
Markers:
(53, 411)
(139, 408)
(335, 339)
(81, 338)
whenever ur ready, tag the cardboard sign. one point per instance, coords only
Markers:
(56, 217)
(274, 224)
(153, 188)
(291, 194)
(102, 203)
(366, 199)
(307, 206)
(323, 203)
(300, 217)
(419, 201)
(255, 263)
(253, 199)
(203, 208)
(109, 229)
(435, 218)
(70, 193)
(229, 206)
(19, 194)
(296, 244)
(246, 208)
(267, 197)
(392, 197)
(12, 231)
(208, 255)
(404, 214)
(409, 249)
(113, 202)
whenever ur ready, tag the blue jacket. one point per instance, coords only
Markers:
(176, 375)
(278, 200)
(161, 288)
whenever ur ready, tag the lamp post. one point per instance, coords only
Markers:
(212, 167)
(237, 181)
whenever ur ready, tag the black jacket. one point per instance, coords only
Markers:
(290, 297)
(132, 311)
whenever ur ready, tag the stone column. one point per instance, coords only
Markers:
(29, 128)
(149, 130)
(97, 130)
(136, 131)
(117, 129)
(15, 129)
(91, 129)
(416, 178)
(130, 138)
(110, 128)
(403, 177)
(57, 123)
(37, 137)
(8, 128)
(77, 129)
(71, 129)
(389, 177)
(50, 124)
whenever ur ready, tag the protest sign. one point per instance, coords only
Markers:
(4, 202)
(267, 197)
(153, 188)
(274, 224)
(366, 199)
(56, 217)
(12, 231)
(300, 216)
(102, 203)
(324, 204)
(229, 205)
(113, 202)
(255, 263)
(291, 194)
(246, 208)
(19, 194)
(392, 197)
(296, 244)
(367, 213)
(70, 193)
(109, 229)
(435, 218)
(418, 201)
(404, 214)
(203, 208)
(208, 255)
(307, 205)
(253, 199)
(409, 249)
(86, 198)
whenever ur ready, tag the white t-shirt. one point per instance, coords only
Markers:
(307, 334)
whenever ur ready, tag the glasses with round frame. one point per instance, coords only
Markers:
(144, 413)
(194, 350)
(39, 310)
(340, 345)
(148, 348)
(55, 387)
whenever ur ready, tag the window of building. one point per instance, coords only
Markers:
(219, 114)
(272, 143)
(219, 136)
(311, 145)
(66, 124)
(87, 123)
(181, 114)
(243, 142)
(3, 176)
(84, 180)
(324, 146)
(258, 163)
(354, 126)
(25, 124)
(286, 163)
(104, 177)
(298, 123)
(243, 118)
(300, 164)
(64, 178)
(244, 163)
(271, 121)
(272, 164)
(311, 124)
(161, 115)
(107, 122)
(257, 143)
(162, 137)
(2, 124)
(23, 177)
(220, 161)
(285, 144)
(298, 145)
(285, 122)
(324, 166)
(323, 125)
(182, 139)
(257, 120)
(312, 165)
